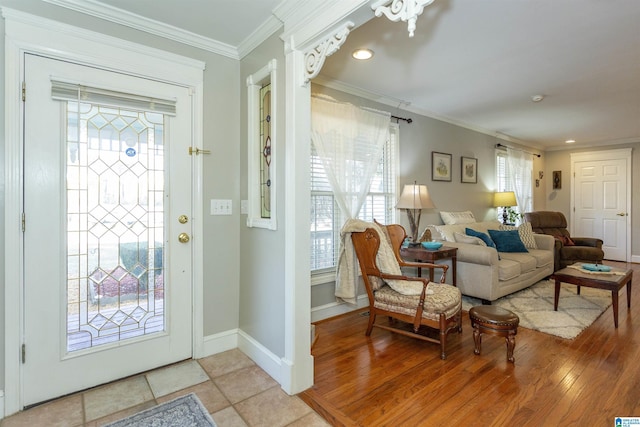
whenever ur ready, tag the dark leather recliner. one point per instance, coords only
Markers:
(568, 250)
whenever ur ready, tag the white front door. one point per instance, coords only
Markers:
(107, 191)
(601, 206)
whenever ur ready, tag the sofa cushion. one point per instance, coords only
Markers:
(526, 261)
(443, 298)
(507, 241)
(543, 257)
(463, 238)
(465, 217)
(526, 234)
(446, 231)
(485, 238)
(508, 269)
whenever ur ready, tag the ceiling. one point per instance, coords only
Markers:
(476, 63)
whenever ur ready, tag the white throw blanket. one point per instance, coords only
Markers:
(348, 271)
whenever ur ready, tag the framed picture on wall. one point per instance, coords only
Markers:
(440, 166)
(468, 170)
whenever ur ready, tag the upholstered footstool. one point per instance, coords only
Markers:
(489, 319)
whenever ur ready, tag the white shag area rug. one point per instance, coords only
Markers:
(534, 306)
(185, 411)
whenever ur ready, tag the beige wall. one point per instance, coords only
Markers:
(262, 250)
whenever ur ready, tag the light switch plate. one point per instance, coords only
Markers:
(244, 207)
(221, 207)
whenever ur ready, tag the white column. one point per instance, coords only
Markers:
(297, 363)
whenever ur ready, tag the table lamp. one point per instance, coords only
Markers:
(414, 198)
(504, 199)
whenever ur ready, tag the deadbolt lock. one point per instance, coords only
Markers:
(183, 219)
(183, 237)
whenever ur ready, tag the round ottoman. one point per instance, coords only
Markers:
(489, 319)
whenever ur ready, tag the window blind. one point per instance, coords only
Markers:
(64, 91)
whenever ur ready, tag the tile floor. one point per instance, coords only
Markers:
(230, 385)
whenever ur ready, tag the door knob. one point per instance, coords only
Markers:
(622, 214)
(183, 219)
(183, 237)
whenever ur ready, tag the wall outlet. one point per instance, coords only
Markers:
(221, 207)
(244, 207)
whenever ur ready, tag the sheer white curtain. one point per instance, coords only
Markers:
(520, 166)
(349, 142)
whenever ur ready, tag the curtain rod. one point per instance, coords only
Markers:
(519, 149)
(402, 118)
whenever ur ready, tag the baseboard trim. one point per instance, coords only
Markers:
(217, 343)
(236, 338)
(269, 362)
(336, 308)
(635, 258)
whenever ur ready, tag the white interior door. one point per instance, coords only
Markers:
(601, 207)
(107, 190)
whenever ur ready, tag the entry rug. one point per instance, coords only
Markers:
(185, 411)
(534, 306)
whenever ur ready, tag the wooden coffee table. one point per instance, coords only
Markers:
(612, 282)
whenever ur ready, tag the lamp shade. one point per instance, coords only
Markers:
(415, 196)
(504, 199)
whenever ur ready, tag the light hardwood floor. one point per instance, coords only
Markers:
(391, 380)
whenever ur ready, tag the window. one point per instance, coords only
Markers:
(505, 180)
(326, 218)
(261, 200)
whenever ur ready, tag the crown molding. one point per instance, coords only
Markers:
(594, 144)
(259, 35)
(32, 23)
(140, 23)
(309, 20)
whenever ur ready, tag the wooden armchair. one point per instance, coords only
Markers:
(438, 306)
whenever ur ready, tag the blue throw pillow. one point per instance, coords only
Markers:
(485, 238)
(508, 241)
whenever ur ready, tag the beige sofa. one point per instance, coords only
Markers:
(484, 273)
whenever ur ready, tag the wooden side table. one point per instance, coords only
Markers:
(420, 254)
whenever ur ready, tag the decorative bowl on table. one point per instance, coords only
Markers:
(432, 245)
(596, 267)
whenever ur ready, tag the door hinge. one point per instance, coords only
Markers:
(24, 91)
(24, 222)
(198, 151)
(24, 353)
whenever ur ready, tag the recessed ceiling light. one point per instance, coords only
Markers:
(362, 54)
(570, 141)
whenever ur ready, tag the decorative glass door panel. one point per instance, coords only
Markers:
(265, 155)
(115, 218)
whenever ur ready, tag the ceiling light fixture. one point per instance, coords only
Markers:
(570, 141)
(537, 98)
(362, 54)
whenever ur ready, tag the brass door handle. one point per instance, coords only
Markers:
(183, 237)
(622, 214)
